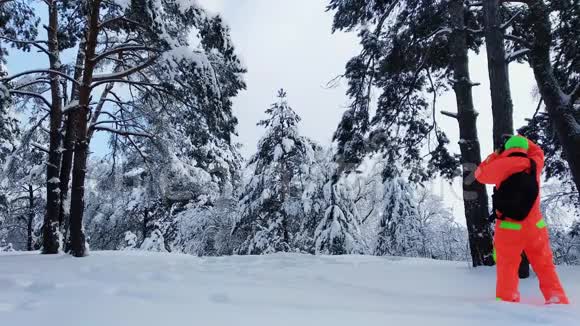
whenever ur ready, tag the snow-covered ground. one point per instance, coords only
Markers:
(142, 289)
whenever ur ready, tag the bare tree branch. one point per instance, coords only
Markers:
(31, 94)
(120, 18)
(123, 48)
(511, 20)
(450, 114)
(122, 74)
(518, 40)
(575, 95)
(126, 81)
(22, 42)
(35, 43)
(37, 81)
(41, 71)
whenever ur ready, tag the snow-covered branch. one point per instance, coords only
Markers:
(39, 147)
(99, 79)
(513, 56)
(126, 81)
(123, 132)
(475, 31)
(71, 107)
(114, 121)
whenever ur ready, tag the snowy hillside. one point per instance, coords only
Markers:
(134, 288)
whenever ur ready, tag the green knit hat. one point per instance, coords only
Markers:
(517, 142)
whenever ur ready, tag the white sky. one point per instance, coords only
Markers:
(289, 44)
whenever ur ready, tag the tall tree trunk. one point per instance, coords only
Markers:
(474, 193)
(499, 83)
(29, 242)
(50, 229)
(69, 137)
(560, 106)
(77, 237)
(497, 66)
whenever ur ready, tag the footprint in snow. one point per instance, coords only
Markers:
(39, 286)
(160, 277)
(220, 298)
(30, 305)
(6, 307)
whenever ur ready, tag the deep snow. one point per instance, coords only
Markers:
(142, 289)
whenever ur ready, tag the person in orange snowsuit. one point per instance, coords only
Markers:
(530, 235)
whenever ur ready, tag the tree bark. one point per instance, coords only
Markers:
(560, 106)
(475, 198)
(499, 83)
(70, 138)
(50, 229)
(29, 231)
(497, 66)
(77, 237)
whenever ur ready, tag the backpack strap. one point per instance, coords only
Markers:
(533, 165)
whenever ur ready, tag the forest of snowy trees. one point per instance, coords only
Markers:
(158, 78)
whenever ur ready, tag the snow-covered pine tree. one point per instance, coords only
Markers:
(271, 207)
(398, 233)
(338, 233)
(9, 129)
(22, 183)
(313, 199)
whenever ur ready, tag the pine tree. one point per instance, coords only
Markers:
(411, 49)
(313, 197)
(272, 210)
(566, 65)
(398, 233)
(557, 81)
(338, 233)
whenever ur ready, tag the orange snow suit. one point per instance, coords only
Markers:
(513, 237)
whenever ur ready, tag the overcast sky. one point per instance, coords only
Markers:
(289, 44)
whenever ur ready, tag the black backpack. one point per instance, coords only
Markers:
(518, 193)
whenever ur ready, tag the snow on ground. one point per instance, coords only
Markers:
(142, 289)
